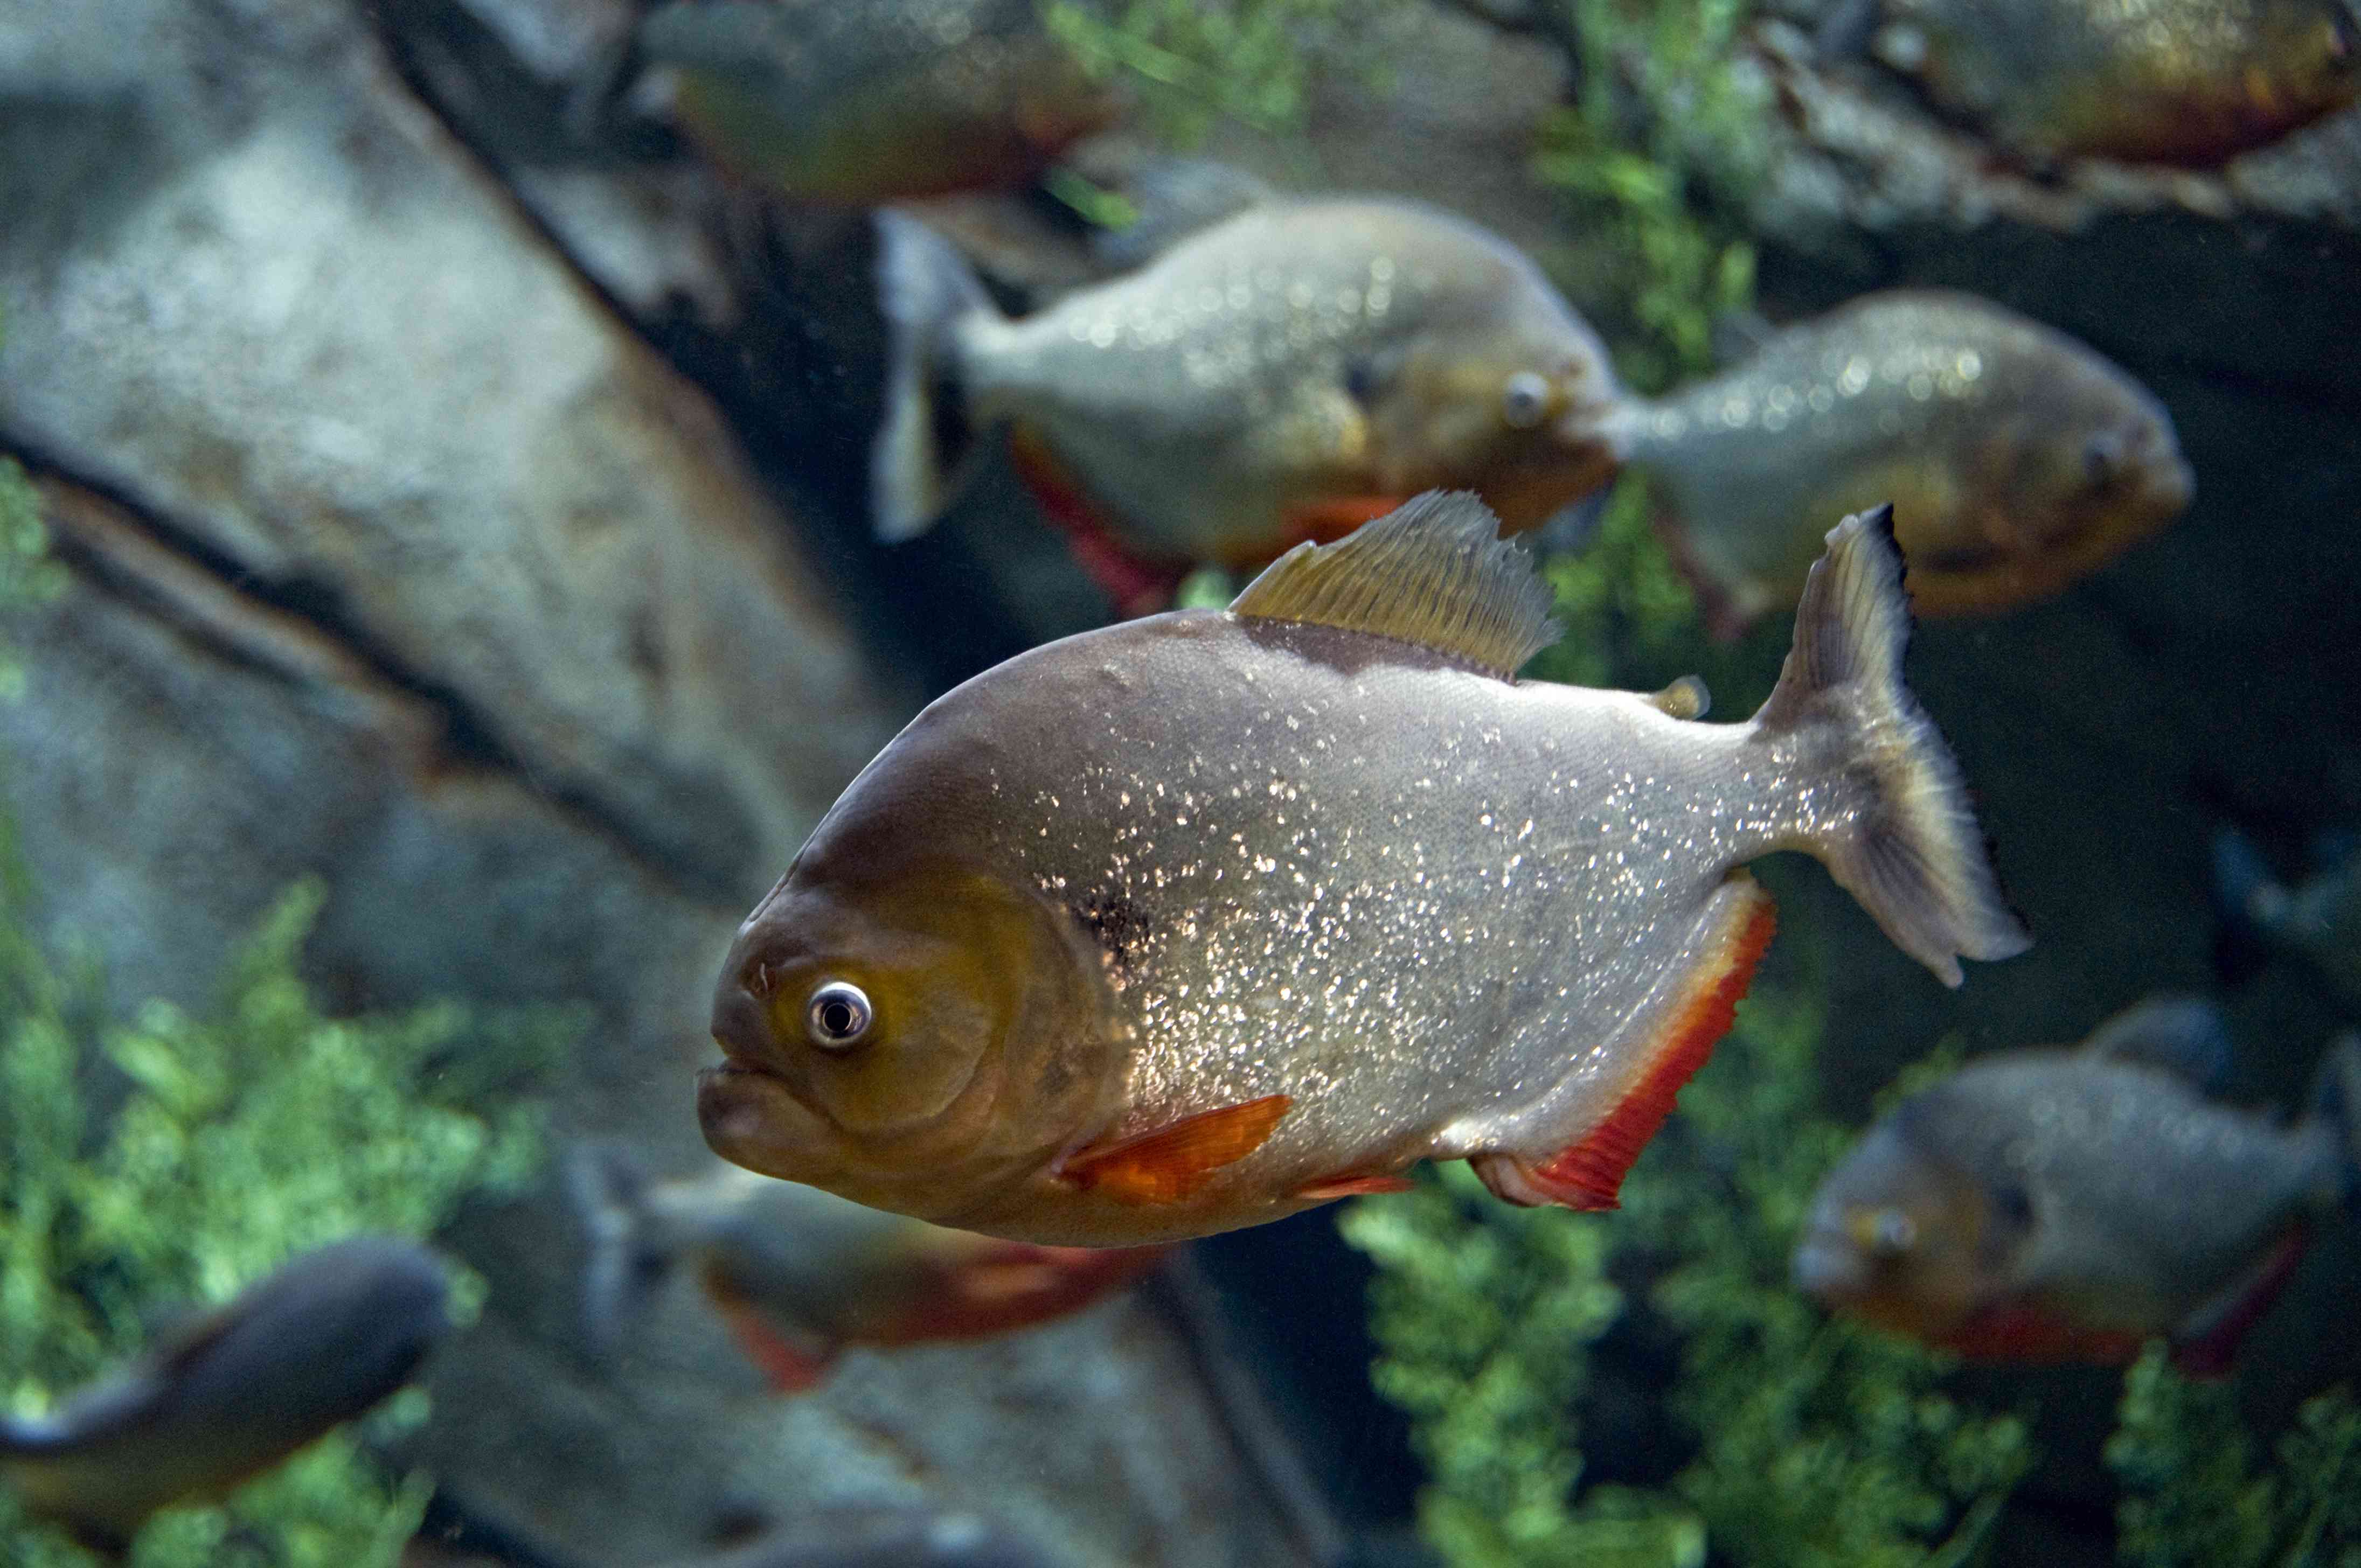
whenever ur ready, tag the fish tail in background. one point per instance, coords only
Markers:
(2243, 881)
(1900, 834)
(2336, 1101)
(925, 288)
(607, 1190)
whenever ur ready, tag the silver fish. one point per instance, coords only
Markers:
(1194, 921)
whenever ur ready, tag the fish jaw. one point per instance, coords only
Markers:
(750, 1118)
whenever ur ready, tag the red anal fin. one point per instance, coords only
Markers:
(1171, 1163)
(788, 1367)
(2215, 1334)
(1137, 586)
(1015, 1287)
(1591, 1174)
(1351, 1187)
(2037, 1332)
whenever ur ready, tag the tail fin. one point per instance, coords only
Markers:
(2251, 895)
(1899, 834)
(925, 288)
(608, 1192)
(2336, 1101)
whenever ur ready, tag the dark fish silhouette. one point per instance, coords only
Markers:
(314, 1346)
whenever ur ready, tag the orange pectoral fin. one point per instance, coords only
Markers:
(1591, 1174)
(1171, 1163)
(1137, 586)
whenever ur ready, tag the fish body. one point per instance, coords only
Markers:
(865, 101)
(2183, 82)
(2055, 1204)
(1193, 922)
(2319, 920)
(314, 1346)
(1285, 374)
(799, 1274)
(2017, 459)
(901, 1537)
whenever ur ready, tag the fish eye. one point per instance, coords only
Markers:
(840, 1015)
(2101, 457)
(1524, 399)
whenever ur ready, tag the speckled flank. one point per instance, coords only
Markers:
(2016, 457)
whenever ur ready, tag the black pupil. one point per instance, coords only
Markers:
(837, 1016)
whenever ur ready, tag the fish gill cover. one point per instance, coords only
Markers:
(152, 1165)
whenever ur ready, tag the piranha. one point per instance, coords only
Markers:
(2017, 459)
(2320, 921)
(799, 1274)
(865, 101)
(1282, 375)
(2072, 1204)
(231, 1396)
(2193, 83)
(1193, 922)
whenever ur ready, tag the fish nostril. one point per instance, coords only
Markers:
(742, 1017)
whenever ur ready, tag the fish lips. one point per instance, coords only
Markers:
(1830, 1268)
(751, 1118)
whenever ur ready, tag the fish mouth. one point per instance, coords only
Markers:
(1830, 1268)
(751, 1118)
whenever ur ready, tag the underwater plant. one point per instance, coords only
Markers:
(2194, 1497)
(1249, 61)
(217, 1148)
(150, 1166)
(1820, 1442)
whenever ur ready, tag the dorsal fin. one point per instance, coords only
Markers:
(1434, 571)
(2184, 1036)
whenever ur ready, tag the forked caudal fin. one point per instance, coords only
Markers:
(924, 289)
(1897, 832)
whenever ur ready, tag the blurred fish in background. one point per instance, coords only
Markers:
(1284, 375)
(881, 1538)
(232, 1394)
(2050, 1204)
(2016, 458)
(2319, 920)
(1325, 893)
(2181, 81)
(864, 100)
(799, 1274)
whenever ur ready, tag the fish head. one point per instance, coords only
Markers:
(1906, 1240)
(909, 1031)
(1516, 406)
(2100, 463)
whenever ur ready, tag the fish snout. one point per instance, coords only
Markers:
(742, 1017)
(1830, 1268)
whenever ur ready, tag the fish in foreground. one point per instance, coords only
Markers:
(2072, 1204)
(2320, 920)
(1196, 921)
(1284, 375)
(799, 1274)
(864, 100)
(2017, 459)
(2193, 83)
(315, 1344)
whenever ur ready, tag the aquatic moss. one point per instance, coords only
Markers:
(27, 576)
(1820, 1442)
(240, 1139)
(2195, 1498)
(1191, 63)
